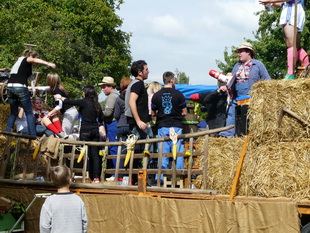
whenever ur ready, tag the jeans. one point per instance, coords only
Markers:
(20, 96)
(93, 153)
(167, 148)
(111, 135)
(40, 131)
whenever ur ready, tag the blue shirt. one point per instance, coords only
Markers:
(258, 72)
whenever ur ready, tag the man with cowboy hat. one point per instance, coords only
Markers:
(108, 87)
(246, 72)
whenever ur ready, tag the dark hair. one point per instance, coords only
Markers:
(60, 176)
(30, 53)
(137, 66)
(124, 83)
(90, 93)
(167, 77)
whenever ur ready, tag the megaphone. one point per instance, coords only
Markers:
(229, 80)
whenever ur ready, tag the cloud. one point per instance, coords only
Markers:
(168, 27)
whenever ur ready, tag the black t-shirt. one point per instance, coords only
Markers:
(90, 117)
(142, 103)
(169, 102)
(21, 71)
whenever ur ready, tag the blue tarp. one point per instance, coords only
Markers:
(188, 90)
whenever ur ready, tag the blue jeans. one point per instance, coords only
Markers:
(167, 147)
(111, 129)
(20, 96)
(40, 131)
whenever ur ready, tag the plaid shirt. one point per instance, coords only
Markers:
(243, 73)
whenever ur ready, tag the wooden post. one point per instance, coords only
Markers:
(238, 171)
(142, 181)
(159, 164)
(118, 161)
(84, 171)
(205, 162)
(295, 36)
(189, 167)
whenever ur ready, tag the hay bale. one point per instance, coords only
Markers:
(268, 99)
(277, 170)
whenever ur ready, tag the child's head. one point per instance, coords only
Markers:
(37, 102)
(60, 176)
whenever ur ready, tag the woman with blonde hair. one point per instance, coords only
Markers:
(69, 112)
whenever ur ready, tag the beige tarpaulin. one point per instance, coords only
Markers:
(124, 213)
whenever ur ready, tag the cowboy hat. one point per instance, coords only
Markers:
(107, 81)
(246, 45)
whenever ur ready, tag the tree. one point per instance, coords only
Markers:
(83, 38)
(181, 77)
(269, 45)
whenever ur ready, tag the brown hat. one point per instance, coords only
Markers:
(246, 45)
(107, 81)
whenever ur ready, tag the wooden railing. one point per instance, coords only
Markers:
(20, 158)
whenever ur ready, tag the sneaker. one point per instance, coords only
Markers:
(62, 135)
(96, 180)
(289, 77)
(112, 178)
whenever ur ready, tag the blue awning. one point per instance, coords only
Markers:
(188, 90)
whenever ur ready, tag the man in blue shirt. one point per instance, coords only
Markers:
(246, 72)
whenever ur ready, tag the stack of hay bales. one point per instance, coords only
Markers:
(277, 161)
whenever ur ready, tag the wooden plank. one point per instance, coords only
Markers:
(159, 163)
(189, 173)
(238, 171)
(118, 161)
(131, 166)
(142, 181)
(205, 161)
(85, 158)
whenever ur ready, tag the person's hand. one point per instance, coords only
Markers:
(50, 64)
(57, 97)
(103, 137)
(142, 125)
(50, 114)
(194, 96)
(222, 89)
(264, 2)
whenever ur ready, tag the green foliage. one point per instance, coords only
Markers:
(269, 45)
(83, 38)
(181, 77)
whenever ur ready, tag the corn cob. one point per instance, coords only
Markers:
(36, 151)
(129, 152)
(81, 154)
(174, 151)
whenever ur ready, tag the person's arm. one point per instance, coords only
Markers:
(21, 113)
(40, 61)
(84, 219)
(45, 220)
(109, 105)
(117, 110)
(134, 110)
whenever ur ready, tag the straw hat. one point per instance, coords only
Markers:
(246, 45)
(107, 81)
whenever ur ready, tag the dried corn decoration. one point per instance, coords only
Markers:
(174, 138)
(36, 150)
(130, 143)
(82, 153)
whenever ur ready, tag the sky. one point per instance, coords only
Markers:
(188, 35)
